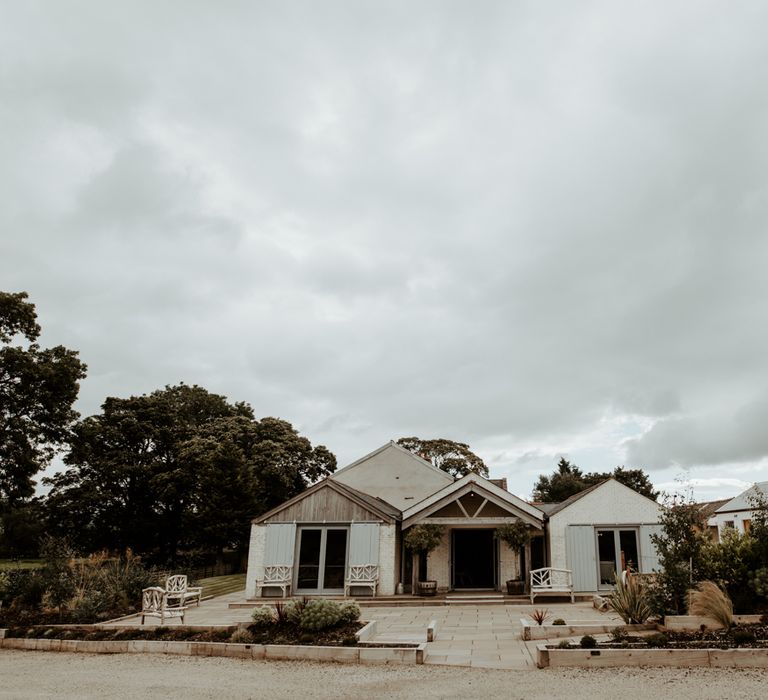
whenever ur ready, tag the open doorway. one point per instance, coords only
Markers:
(474, 559)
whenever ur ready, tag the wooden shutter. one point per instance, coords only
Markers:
(649, 558)
(581, 554)
(280, 544)
(364, 544)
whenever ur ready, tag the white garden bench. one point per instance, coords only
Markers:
(278, 575)
(549, 581)
(154, 603)
(362, 575)
(177, 590)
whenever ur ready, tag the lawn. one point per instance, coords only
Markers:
(20, 564)
(221, 585)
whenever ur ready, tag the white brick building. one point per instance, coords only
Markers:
(356, 518)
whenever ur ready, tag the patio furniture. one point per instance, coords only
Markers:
(278, 575)
(366, 575)
(177, 590)
(550, 581)
(154, 603)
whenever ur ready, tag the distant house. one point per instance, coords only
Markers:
(355, 520)
(737, 513)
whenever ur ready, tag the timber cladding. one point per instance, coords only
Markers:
(324, 504)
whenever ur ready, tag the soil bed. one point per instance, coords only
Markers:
(745, 636)
(343, 635)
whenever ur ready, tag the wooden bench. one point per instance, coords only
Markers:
(277, 575)
(549, 581)
(177, 589)
(154, 603)
(362, 575)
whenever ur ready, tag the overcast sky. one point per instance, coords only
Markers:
(536, 227)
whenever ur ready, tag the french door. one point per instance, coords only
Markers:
(617, 551)
(322, 560)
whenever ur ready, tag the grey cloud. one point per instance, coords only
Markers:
(376, 220)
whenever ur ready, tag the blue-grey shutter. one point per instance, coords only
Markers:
(580, 549)
(649, 558)
(280, 544)
(363, 544)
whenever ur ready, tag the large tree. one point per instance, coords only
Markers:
(178, 469)
(568, 480)
(38, 387)
(453, 457)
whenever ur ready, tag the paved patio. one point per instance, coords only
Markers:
(487, 636)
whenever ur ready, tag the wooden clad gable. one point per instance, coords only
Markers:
(326, 502)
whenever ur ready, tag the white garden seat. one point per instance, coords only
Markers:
(277, 575)
(362, 575)
(549, 581)
(177, 590)
(154, 603)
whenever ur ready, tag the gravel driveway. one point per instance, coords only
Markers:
(61, 675)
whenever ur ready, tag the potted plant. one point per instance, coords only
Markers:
(515, 535)
(421, 540)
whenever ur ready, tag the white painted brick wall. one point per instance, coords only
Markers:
(387, 574)
(255, 559)
(509, 564)
(613, 504)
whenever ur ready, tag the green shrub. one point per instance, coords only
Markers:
(564, 644)
(241, 636)
(558, 621)
(320, 614)
(307, 638)
(349, 612)
(263, 617)
(294, 609)
(349, 641)
(742, 636)
(588, 642)
(629, 600)
(618, 634)
(657, 640)
(758, 581)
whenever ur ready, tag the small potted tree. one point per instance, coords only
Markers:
(515, 535)
(421, 540)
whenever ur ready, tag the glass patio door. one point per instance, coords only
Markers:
(322, 560)
(617, 550)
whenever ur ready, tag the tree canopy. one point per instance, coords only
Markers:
(568, 480)
(178, 469)
(38, 388)
(453, 457)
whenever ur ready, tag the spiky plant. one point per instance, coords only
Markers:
(629, 601)
(709, 600)
(539, 615)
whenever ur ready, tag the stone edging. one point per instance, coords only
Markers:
(683, 658)
(362, 655)
(576, 629)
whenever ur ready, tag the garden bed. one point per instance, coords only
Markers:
(530, 630)
(188, 642)
(745, 645)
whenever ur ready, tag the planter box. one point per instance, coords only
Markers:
(390, 655)
(576, 629)
(676, 658)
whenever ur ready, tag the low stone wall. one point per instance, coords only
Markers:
(677, 658)
(410, 655)
(576, 629)
(693, 623)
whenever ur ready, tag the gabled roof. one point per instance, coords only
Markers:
(464, 485)
(423, 462)
(381, 508)
(578, 496)
(707, 509)
(742, 501)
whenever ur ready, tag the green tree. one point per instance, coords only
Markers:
(37, 390)
(453, 457)
(568, 480)
(177, 469)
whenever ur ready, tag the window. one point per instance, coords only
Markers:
(728, 524)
